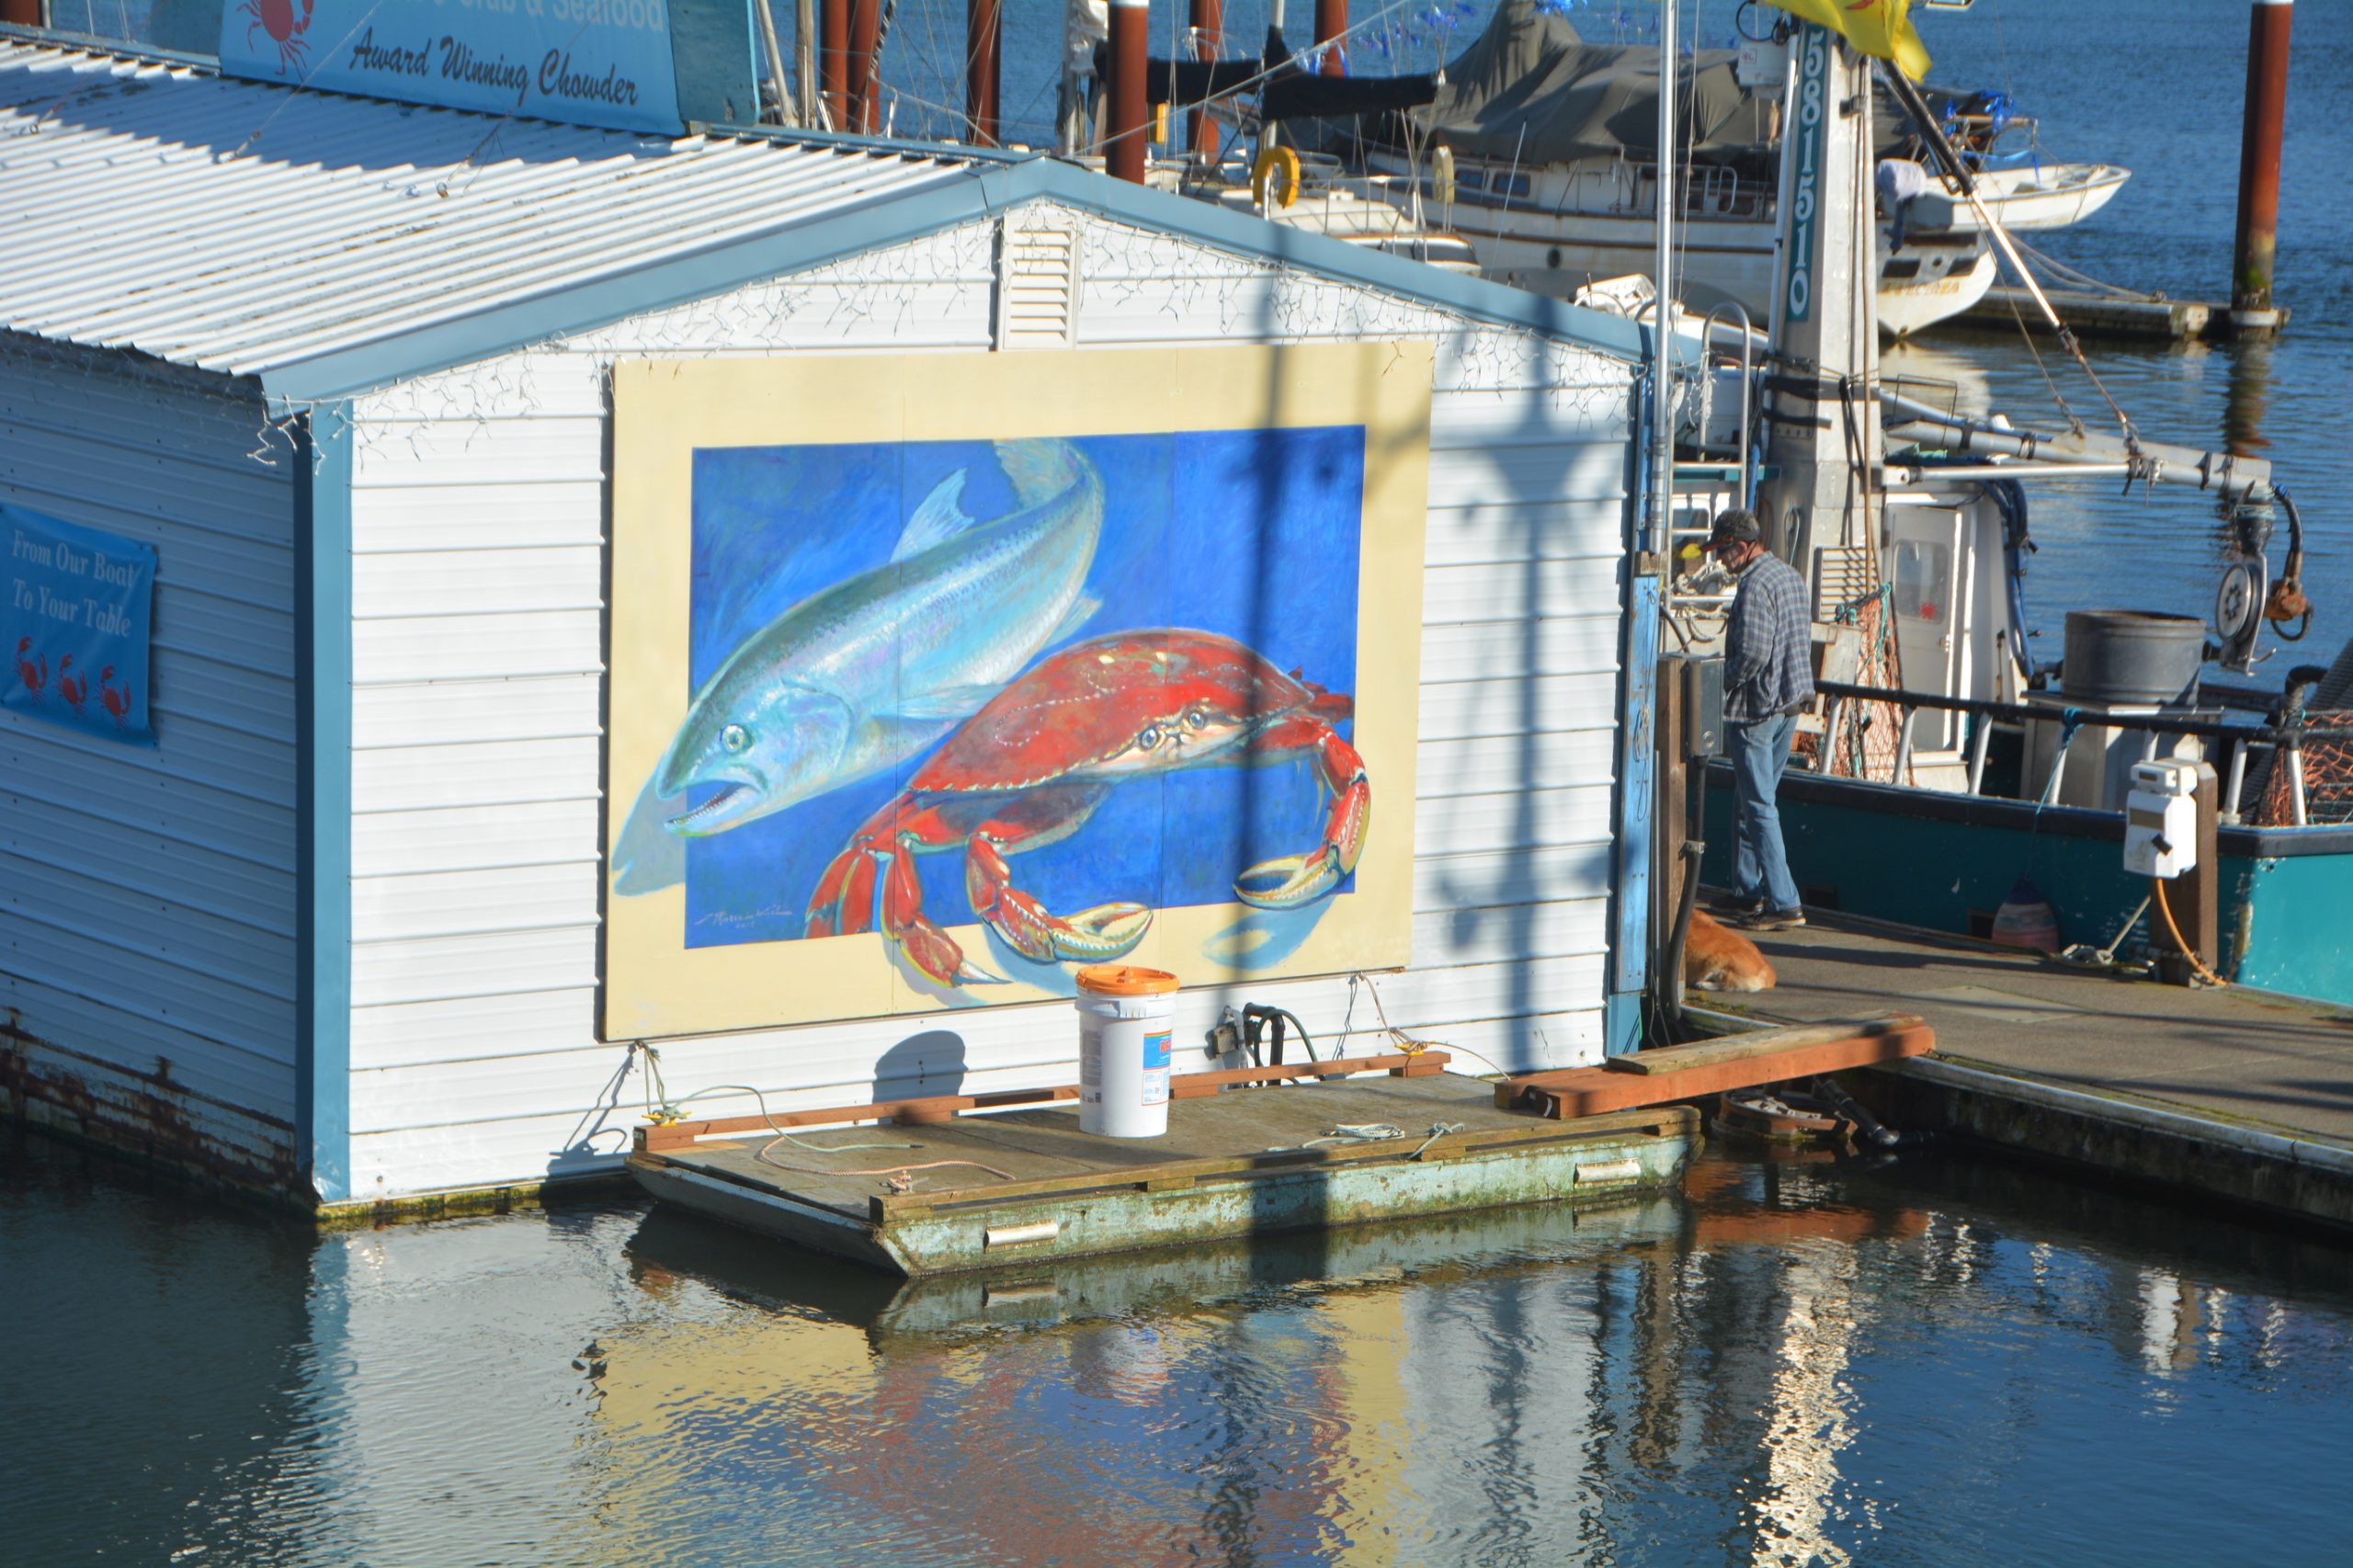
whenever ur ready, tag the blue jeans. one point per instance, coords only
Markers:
(1760, 866)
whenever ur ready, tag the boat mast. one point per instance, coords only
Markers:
(1662, 340)
(1826, 318)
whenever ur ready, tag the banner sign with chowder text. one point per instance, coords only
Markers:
(78, 612)
(603, 63)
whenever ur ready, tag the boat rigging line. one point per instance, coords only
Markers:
(1908, 94)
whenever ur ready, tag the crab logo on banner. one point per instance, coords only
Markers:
(603, 63)
(78, 612)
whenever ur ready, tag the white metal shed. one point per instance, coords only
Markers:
(347, 367)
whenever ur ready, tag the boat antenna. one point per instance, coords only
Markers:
(1661, 512)
(1933, 133)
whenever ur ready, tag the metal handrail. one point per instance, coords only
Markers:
(2156, 724)
(1747, 394)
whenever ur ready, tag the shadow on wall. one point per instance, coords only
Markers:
(922, 1064)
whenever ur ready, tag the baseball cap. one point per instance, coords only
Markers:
(1735, 523)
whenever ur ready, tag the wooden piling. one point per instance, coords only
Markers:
(1125, 147)
(983, 32)
(832, 64)
(1209, 42)
(2255, 251)
(1331, 21)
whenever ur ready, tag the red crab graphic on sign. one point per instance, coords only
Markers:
(285, 27)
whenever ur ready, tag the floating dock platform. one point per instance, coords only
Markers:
(2094, 316)
(2237, 1095)
(1024, 1185)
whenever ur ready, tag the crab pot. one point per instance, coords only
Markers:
(1125, 1019)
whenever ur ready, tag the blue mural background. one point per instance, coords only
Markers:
(1253, 534)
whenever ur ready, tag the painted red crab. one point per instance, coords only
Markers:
(284, 24)
(31, 675)
(1028, 769)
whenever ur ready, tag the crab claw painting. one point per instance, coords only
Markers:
(1032, 767)
(943, 720)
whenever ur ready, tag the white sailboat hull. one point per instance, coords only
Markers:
(1724, 261)
(2048, 198)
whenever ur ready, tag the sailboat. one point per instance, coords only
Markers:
(1538, 148)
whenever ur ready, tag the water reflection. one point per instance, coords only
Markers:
(2249, 396)
(1923, 1360)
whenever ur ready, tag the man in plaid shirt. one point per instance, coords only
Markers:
(1768, 676)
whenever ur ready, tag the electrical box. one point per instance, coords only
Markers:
(2161, 819)
(1762, 66)
(1703, 703)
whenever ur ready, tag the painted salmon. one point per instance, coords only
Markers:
(867, 671)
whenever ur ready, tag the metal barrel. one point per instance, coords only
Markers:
(2130, 656)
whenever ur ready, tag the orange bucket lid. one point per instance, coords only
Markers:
(1125, 979)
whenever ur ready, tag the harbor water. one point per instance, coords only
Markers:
(1922, 1362)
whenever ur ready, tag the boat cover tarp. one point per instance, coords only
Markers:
(1528, 89)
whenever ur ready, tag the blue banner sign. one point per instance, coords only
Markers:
(79, 608)
(604, 62)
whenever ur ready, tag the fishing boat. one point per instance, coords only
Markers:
(1942, 765)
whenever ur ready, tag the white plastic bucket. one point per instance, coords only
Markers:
(1125, 1015)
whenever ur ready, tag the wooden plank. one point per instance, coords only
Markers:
(1172, 1174)
(1588, 1091)
(1764, 1042)
(655, 1138)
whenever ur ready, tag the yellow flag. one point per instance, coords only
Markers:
(1879, 28)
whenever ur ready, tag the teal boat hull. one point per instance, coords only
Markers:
(1945, 862)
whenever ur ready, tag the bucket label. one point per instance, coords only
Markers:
(1155, 1068)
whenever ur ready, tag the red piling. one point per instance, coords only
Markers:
(1208, 39)
(832, 62)
(865, 82)
(2259, 139)
(1331, 21)
(1125, 149)
(984, 30)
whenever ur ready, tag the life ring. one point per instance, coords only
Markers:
(1278, 167)
(1442, 177)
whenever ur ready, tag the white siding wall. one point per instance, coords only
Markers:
(147, 896)
(478, 660)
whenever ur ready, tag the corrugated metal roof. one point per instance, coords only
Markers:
(326, 244)
(238, 226)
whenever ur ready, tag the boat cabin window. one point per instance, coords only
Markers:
(1923, 579)
(1470, 179)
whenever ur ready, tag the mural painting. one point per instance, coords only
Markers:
(926, 716)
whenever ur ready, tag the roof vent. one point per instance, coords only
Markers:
(1036, 288)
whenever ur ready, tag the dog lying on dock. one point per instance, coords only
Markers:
(1716, 957)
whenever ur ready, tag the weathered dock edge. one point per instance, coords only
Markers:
(2121, 1134)
(1599, 1159)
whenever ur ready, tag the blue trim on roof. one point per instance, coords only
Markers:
(983, 187)
(323, 803)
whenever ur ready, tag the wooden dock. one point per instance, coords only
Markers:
(2229, 1094)
(2095, 315)
(1744, 1061)
(1024, 1185)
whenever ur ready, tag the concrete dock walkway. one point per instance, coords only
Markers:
(2235, 1094)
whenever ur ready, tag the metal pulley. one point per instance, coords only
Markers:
(2239, 611)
